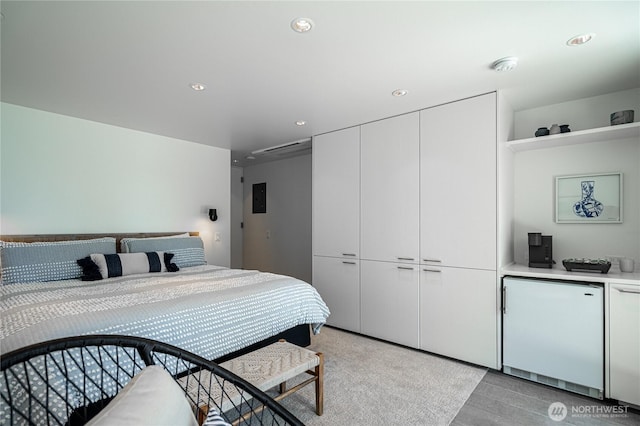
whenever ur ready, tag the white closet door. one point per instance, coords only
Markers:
(458, 314)
(458, 189)
(338, 282)
(336, 193)
(390, 189)
(389, 301)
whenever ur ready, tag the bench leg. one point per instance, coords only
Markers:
(320, 385)
(202, 413)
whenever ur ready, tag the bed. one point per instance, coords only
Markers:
(211, 311)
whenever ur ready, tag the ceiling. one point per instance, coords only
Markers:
(131, 63)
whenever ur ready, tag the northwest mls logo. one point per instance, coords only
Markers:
(557, 411)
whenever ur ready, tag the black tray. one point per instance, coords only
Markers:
(587, 265)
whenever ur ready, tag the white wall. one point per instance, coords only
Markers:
(505, 182)
(62, 174)
(287, 249)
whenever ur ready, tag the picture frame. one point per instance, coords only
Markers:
(589, 198)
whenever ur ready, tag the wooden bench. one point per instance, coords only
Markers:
(264, 368)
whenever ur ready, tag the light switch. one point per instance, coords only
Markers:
(268, 234)
(217, 236)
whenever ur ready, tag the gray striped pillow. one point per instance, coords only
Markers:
(48, 261)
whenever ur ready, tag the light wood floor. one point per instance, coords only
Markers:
(500, 399)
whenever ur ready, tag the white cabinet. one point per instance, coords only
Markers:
(390, 206)
(458, 225)
(458, 313)
(336, 225)
(624, 343)
(374, 188)
(338, 282)
(336, 193)
(458, 183)
(389, 301)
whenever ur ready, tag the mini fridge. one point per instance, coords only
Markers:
(553, 333)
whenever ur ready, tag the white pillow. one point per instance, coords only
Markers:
(151, 397)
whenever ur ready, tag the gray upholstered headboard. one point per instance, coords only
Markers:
(68, 237)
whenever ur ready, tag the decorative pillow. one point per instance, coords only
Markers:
(215, 419)
(99, 266)
(152, 397)
(124, 241)
(188, 251)
(48, 261)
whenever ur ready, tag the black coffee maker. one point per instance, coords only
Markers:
(540, 250)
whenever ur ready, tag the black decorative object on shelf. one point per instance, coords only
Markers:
(542, 131)
(622, 117)
(564, 128)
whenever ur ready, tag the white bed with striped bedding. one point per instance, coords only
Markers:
(207, 310)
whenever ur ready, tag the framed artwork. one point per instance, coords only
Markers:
(595, 198)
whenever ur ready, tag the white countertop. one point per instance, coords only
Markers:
(614, 276)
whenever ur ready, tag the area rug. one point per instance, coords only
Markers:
(369, 382)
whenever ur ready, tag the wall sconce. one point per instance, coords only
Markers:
(213, 214)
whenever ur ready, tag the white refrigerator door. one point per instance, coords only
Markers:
(554, 329)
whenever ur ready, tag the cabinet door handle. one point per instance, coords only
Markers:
(408, 268)
(504, 300)
(431, 270)
(405, 258)
(432, 260)
(349, 263)
(624, 290)
(348, 254)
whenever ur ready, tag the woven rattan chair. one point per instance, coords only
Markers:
(68, 381)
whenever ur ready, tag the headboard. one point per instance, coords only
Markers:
(68, 237)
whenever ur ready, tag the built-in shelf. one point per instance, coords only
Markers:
(611, 133)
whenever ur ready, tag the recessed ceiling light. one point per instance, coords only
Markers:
(399, 92)
(300, 123)
(580, 39)
(302, 25)
(198, 87)
(505, 64)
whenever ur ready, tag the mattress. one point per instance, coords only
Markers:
(208, 310)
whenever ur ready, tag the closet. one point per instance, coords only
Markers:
(404, 228)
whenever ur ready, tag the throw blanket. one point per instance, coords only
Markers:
(207, 310)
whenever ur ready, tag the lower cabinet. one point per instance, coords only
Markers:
(338, 282)
(458, 313)
(389, 301)
(447, 311)
(624, 343)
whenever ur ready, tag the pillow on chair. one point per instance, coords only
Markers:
(152, 397)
